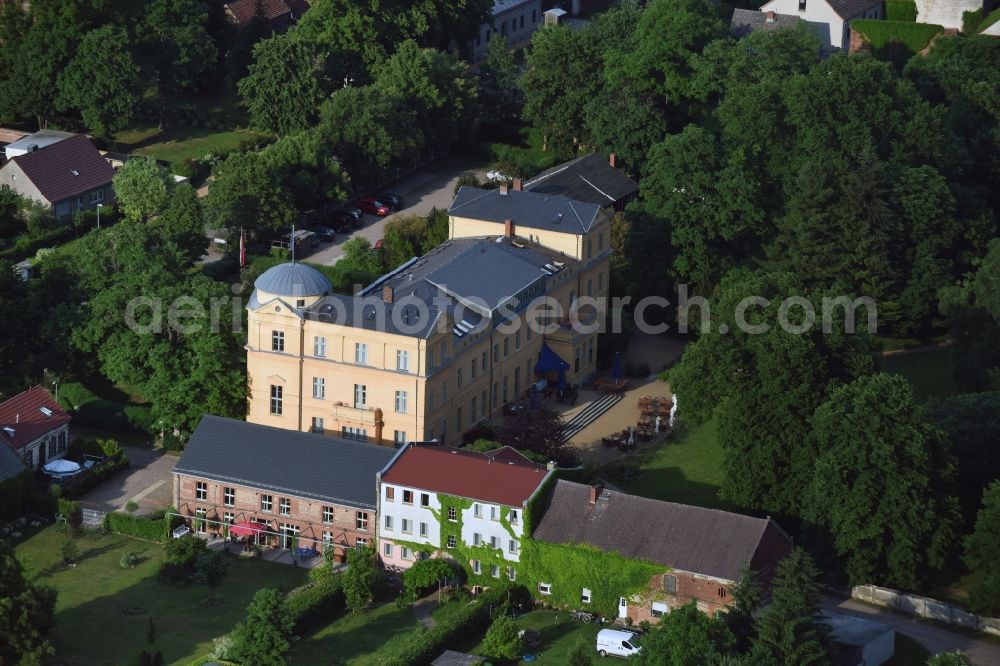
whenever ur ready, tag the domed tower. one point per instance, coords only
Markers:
(276, 342)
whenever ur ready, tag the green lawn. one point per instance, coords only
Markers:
(353, 639)
(91, 626)
(928, 371)
(560, 634)
(686, 470)
(175, 144)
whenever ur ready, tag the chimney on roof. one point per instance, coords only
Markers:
(17, 418)
(33, 148)
(503, 189)
(770, 17)
(613, 160)
(595, 492)
(387, 294)
(508, 228)
(518, 187)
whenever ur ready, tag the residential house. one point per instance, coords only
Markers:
(303, 489)
(830, 19)
(35, 427)
(276, 14)
(590, 179)
(746, 21)
(576, 7)
(11, 465)
(442, 342)
(67, 176)
(32, 142)
(702, 551)
(460, 504)
(513, 20)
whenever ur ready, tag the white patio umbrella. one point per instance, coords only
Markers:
(62, 467)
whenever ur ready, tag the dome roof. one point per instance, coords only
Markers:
(293, 280)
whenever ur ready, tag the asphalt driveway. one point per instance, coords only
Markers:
(147, 482)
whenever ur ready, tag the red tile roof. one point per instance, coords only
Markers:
(243, 11)
(477, 476)
(23, 416)
(66, 169)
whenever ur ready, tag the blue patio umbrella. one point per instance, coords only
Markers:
(616, 367)
(561, 384)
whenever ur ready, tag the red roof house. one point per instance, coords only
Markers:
(276, 13)
(34, 425)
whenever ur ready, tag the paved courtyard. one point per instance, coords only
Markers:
(147, 482)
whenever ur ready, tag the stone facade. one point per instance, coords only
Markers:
(316, 523)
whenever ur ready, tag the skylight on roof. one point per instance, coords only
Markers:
(74, 172)
(46, 411)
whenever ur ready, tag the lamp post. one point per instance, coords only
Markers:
(99, 206)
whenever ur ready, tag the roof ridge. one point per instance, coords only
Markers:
(485, 193)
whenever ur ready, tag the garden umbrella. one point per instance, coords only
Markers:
(247, 529)
(62, 467)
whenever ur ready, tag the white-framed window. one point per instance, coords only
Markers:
(423, 529)
(284, 506)
(96, 196)
(360, 353)
(317, 425)
(585, 596)
(425, 499)
(201, 491)
(319, 346)
(265, 503)
(511, 573)
(402, 360)
(407, 497)
(404, 552)
(494, 513)
(512, 547)
(476, 567)
(387, 522)
(319, 388)
(400, 402)
(658, 609)
(545, 588)
(278, 341)
(477, 539)
(228, 518)
(328, 514)
(229, 496)
(452, 514)
(387, 549)
(390, 494)
(277, 395)
(451, 541)
(361, 521)
(327, 539)
(357, 434)
(477, 510)
(512, 517)
(399, 436)
(200, 519)
(360, 543)
(360, 395)
(407, 526)
(494, 542)
(494, 571)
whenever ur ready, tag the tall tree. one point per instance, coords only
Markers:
(982, 554)
(102, 82)
(245, 193)
(684, 637)
(879, 483)
(790, 631)
(746, 596)
(498, 80)
(183, 222)
(360, 578)
(262, 637)
(142, 187)
(26, 614)
(283, 87)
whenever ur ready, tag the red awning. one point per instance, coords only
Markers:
(247, 529)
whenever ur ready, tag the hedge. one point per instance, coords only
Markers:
(901, 10)
(315, 605)
(79, 485)
(26, 246)
(915, 36)
(156, 530)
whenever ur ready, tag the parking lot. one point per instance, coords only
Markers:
(431, 187)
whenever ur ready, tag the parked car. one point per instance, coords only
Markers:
(357, 216)
(394, 201)
(324, 233)
(617, 643)
(373, 206)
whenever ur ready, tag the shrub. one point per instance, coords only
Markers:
(425, 574)
(501, 641)
(316, 604)
(70, 510)
(79, 485)
(972, 20)
(901, 10)
(128, 560)
(181, 558)
(138, 527)
(69, 551)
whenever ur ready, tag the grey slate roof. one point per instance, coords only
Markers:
(10, 463)
(689, 538)
(590, 179)
(746, 21)
(41, 139)
(300, 464)
(533, 210)
(374, 314)
(293, 279)
(850, 8)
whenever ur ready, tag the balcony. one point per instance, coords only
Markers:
(363, 415)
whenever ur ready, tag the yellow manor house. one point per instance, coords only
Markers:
(441, 342)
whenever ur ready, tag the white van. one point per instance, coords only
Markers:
(618, 643)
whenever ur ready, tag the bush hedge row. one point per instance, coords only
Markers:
(316, 604)
(95, 477)
(901, 10)
(914, 36)
(147, 529)
(26, 245)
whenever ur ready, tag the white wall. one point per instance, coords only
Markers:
(415, 513)
(513, 34)
(486, 527)
(947, 13)
(821, 18)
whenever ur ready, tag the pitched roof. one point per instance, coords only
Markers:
(67, 168)
(527, 209)
(850, 8)
(590, 179)
(10, 463)
(301, 464)
(243, 11)
(498, 478)
(22, 419)
(746, 21)
(689, 538)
